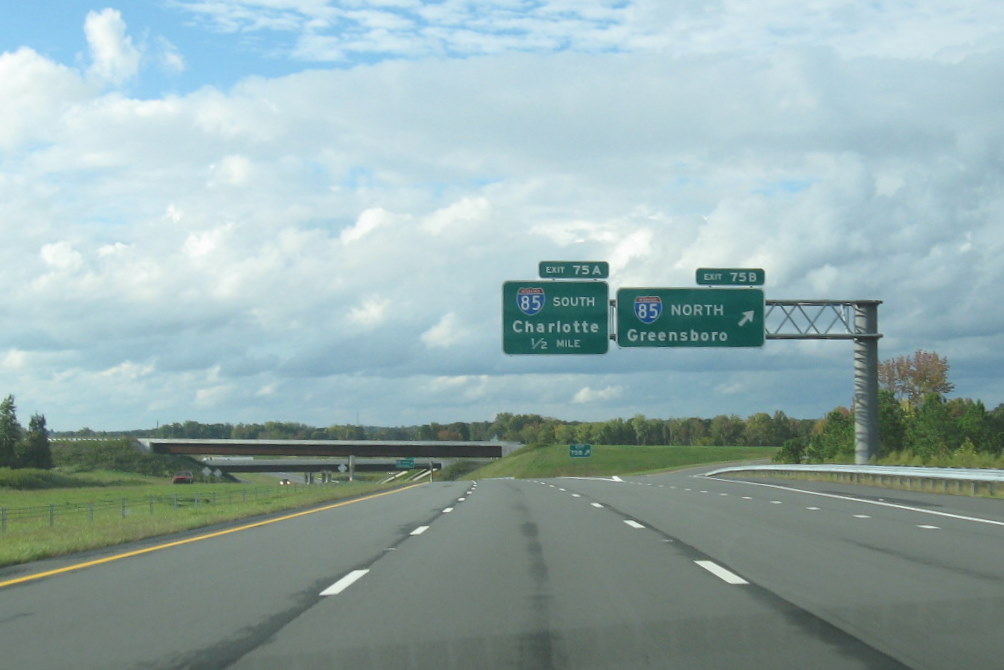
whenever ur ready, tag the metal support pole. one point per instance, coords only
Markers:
(866, 412)
(352, 468)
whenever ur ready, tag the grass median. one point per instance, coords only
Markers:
(606, 460)
(54, 522)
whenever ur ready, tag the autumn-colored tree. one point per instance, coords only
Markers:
(912, 377)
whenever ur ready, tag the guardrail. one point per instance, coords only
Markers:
(962, 481)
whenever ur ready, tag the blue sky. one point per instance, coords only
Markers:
(304, 210)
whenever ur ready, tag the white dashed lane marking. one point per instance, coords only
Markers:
(718, 571)
(344, 583)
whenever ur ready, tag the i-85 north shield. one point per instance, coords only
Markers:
(648, 308)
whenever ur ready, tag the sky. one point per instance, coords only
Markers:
(305, 210)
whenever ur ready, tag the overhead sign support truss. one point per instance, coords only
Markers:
(839, 320)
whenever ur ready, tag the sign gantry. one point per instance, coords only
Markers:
(556, 316)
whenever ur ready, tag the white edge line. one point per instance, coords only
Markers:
(343, 583)
(961, 517)
(721, 573)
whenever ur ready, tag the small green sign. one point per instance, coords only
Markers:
(690, 317)
(556, 317)
(574, 269)
(730, 276)
(405, 463)
(580, 450)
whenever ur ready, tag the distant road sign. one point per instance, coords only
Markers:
(567, 317)
(405, 463)
(574, 269)
(690, 317)
(580, 450)
(730, 276)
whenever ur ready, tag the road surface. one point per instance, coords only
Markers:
(666, 571)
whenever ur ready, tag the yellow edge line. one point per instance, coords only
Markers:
(198, 538)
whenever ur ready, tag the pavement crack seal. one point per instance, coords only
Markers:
(814, 625)
(228, 652)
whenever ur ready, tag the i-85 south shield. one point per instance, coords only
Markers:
(530, 300)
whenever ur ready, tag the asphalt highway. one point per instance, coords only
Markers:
(666, 571)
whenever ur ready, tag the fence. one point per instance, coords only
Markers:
(55, 515)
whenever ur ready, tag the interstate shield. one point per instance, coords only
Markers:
(530, 300)
(648, 308)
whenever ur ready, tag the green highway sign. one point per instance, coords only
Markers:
(730, 276)
(574, 269)
(580, 450)
(405, 463)
(567, 317)
(690, 317)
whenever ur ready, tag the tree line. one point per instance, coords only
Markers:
(916, 420)
(20, 448)
(917, 423)
(760, 429)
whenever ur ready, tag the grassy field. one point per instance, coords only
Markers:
(554, 461)
(53, 522)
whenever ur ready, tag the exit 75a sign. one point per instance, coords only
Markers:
(555, 317)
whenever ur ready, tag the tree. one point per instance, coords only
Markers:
(760, 431)
(833, 437)
(34, 450)
(911, 378)
(934, 431)
(892, 423)
(10, 433)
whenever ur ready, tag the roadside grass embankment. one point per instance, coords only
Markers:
(606, 460)
(36, 524)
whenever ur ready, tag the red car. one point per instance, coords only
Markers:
(185, 477)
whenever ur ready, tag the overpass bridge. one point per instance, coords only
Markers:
(420, 450)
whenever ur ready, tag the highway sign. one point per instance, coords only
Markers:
(690, 317)
(730, 276)
(405, 463)
(580, 450)
(567, 317)
(574, 269)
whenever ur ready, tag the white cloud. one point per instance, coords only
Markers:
(343, 234)
(62, 257)
(170, 57)
(371, 312)
(15, 359)
(447, 332)
(369, 221)
(587, 395)
(36, 93)
(114, 57)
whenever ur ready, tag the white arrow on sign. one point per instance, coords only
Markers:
(747, 317)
